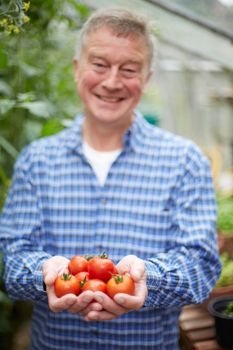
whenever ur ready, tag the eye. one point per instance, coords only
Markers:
(128, 72)
(99, 67)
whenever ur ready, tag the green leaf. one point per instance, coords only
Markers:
(26, 96)
(3, 58)
(83, 9)
(225, 214)
(5, 106)
(30, 71)
(8, 147)
(5, 88)
(32, 129)
(3, 178)
(42, 109)
(51, 127)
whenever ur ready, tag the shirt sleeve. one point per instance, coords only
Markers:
(20, 230)
(186, 273)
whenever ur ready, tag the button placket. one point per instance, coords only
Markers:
(102, 203)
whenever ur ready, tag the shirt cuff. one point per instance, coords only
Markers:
(38, 277)
(153, 281)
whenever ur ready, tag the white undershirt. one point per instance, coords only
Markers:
(100, 161)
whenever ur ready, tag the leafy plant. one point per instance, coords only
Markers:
(225, 214)
(13, 15)
(228, 311)
(226, 277)
(37, 89)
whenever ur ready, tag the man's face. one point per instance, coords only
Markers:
(111, 75)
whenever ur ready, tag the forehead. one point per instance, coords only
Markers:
(104, 43)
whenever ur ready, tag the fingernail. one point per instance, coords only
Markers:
(121, 300)
(86, 300)
(99, 299)
(70, 302)
(94, 318)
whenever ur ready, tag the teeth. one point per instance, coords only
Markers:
(110, 99)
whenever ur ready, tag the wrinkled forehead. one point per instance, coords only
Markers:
(115, 31)
(87, 37)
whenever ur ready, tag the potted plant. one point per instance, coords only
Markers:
(221, 308)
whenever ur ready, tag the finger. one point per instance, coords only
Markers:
(133, 301)
(128, 302)
(100, 316)
(109, 304)
(82, 302)
(60, 304)
(132, 265)
(137, 272)
(63, 303)
(53, 267)
(49, 277)
(94, 306)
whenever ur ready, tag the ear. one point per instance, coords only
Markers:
(75, 66)
(149, 75)
(147, 78)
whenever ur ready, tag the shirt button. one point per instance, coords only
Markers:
(103, 201)
(95, 332)
(99, 246)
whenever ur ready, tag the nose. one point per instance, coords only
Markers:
(112, 80)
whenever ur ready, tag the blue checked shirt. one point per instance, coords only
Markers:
(158, 203)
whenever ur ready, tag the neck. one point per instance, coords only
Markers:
(104, 137)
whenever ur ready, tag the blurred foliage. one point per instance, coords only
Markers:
(226, 277)
(37, 90)
(5, 305)
(225, 214)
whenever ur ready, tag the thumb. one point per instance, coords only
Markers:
(49, 277)
(53, 267)
(137, 273)
(133, 265)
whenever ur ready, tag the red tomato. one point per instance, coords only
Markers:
(120, 284)
(77, 264)
(101, 267)
(82, 278)
(65, 284)
(94, 285)
(83, 275)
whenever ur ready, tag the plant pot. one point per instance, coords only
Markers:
(223, 323)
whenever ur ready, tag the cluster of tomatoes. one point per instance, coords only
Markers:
(97, 273)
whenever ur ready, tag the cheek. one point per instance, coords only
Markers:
(87, 81)
(136, 88)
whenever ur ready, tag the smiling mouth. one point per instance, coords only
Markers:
(109, 99)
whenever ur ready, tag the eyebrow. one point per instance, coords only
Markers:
(99, 57)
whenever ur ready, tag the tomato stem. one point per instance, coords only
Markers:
(103, 255)
(81, 283)
(88, 257)
(118, 278)
(66, 276)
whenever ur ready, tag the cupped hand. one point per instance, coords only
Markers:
(121, 303)
(54, 267)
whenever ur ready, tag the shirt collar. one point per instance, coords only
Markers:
(131, 136)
